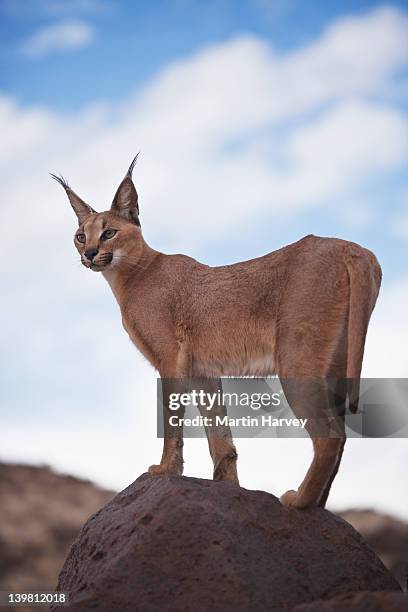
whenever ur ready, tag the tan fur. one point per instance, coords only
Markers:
(301, 312)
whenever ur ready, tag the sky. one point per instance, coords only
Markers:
(258, 122)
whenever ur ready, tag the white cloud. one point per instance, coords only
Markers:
(68, 35)
(25, 132)
(235, 130)
(356, 52)
(206, 137)
(387, 339)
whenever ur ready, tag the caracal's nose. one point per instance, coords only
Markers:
(90, 253)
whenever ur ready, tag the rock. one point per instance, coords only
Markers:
(387, 535)
(177, 543)
(359, 602)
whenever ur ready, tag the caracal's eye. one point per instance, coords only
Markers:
(109, 233)
(80, 237)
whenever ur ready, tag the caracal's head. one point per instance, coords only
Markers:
(106, 239)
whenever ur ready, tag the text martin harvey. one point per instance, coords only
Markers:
(245, 421)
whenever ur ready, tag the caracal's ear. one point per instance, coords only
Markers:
(125, 202)
(81, 208)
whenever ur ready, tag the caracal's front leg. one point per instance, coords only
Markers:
(222, 449)
(172, 457)
(175, 379)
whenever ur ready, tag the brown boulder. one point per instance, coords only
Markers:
(387, 535)
(359, 602)
(177, 543)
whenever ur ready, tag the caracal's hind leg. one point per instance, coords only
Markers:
(315, 487)
(313, 383)
(222, 449)
(310, 399)
(340, 391)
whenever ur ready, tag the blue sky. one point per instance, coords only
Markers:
(259, 122)
(133, 40)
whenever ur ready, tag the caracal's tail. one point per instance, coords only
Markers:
(365, 279)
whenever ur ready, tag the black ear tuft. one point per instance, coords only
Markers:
(132, 165)
(60, 179)
(81, 208)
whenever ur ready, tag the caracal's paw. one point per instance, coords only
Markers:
(294, 499)
(162, 470)
(291, 499)
(288, 499)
